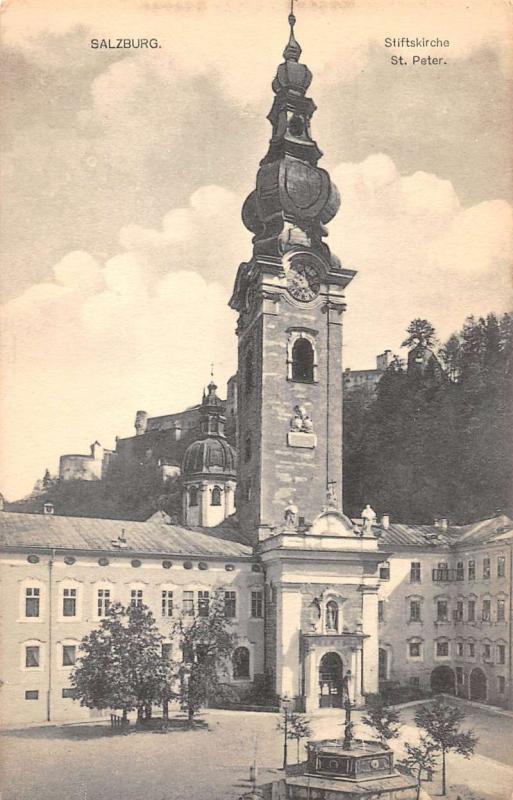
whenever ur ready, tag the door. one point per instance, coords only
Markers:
(331, 675)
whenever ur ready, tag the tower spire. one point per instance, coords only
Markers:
(292, 51)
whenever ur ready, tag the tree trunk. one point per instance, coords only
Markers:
(298, 750)
(147, 711)
(165, 710)
(418, 782)
(443, 771)
(125, 715)
(139, 714)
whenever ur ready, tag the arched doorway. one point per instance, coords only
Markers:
(477, 685)
(331, 673)
(383, 664)
(443, 680)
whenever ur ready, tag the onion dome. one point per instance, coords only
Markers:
(291, 75)
(212, 454)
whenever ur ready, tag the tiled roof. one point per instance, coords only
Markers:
(85, 533)
(431, 536)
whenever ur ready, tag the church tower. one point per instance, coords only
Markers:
(290, 300)
(321, 631)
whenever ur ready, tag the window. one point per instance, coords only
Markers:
(471, 570)
(69, 655)
(485, 614)
(32, 694)
(414, 682)
(442, 611)
(501, 654)
(442, 649)
(203, 601)
(136, 598)
(257, 604)
(32, 656)
(193, 497)
(501, 684)
(459, 675)
(247, 448)
(415, 572)
(460, 575)
(381, 611)
(384, 571)
(69, 603)
(303, 361)
(32, 598)
(102, 602)
(414, 610)
(240, 662)
(188, 603)
(331, 616)
(459, 649)
(487, 652)
(486, 567)
(458, 616)
(230, 605)
(248, 371)
(167, 603)
(216, 496)
(471, 650)
(501, 610)
(414, 649)
(501, 567)
(167, 651)
(471, 610)
(69, 692)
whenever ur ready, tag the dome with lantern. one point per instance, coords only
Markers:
(212, 454)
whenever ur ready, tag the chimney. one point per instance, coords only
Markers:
(48, 508)
(385, 522)
(383, 360)
(141, 422)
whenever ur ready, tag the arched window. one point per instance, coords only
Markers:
(331, 616)
(303, 361)
(248, 371)
(240, 663)
(193, 496)
(247, 448)
(216, 496)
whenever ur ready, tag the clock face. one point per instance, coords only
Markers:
(303, 281)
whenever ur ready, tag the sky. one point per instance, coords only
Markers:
(124, 172)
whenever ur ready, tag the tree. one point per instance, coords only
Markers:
(121, 664)
(207, 643)
(441, 724)
(421, 757)
(420, 332)
(381, 718)
(293, 726)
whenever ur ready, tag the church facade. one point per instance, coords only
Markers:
(321, 603)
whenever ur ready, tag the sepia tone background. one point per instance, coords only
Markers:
(124, 172)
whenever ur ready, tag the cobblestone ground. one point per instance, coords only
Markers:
(86, 762)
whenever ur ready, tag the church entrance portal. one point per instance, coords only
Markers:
(331, 673)
(477, 684)
(442, 680)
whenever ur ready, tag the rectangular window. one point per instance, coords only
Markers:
(485, 615)
(32, 694)
(32, 598)
(188, 603)
(230, 605)
(69, 655)
(381, 611)
(471, 649)
(384, 571)
(459, 611)
(471, 570)
(460, 575)
(501, 610)
(487, 652)
(167, 651)
(501, 567)
(167, 603)
(459, 675)
(102, 602)
(414, 610)
(459, 649)
(414, 648)
(136, 598)
(257, 604)
(203, 602)
(32, 656)
(486, 567)
(69, 603)
(442, 648)
(442, 611)
(471, 610)
(501, 684)
(415, 574)
(69, 692)
(501, 654)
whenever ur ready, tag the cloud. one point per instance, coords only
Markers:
(139, 329)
